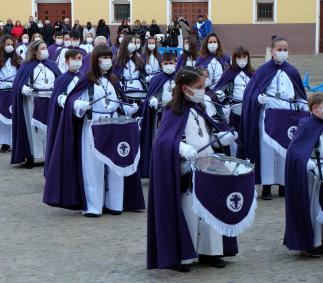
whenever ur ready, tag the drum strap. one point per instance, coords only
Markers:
(318, 159)
(91, 97)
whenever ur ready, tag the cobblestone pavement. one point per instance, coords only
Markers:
(43, 244)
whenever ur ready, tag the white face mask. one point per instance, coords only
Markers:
(138, 45)
(120, 39)
(59, 41)
(40, 25)
(67, 43)
(281, 56)
(89, 40)
(131, 47)
(8, 49)
(75, 43)
(186, 47)
(75, 65)
(105, 64)
(242, 63)
(169, 69)
(44, 54)
(151, 47)
(37, 38)
(212, 47)
(25, 40)
(198, 96)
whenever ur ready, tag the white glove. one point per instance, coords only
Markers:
(84, 105)
(153, 103)
(130, 109)
(220, 94)
(61, 100)
(26, 90)
(148, 78)
(226, 110)
(227, 137)
(263, 99)
(148, 69)
(187, 151)
(311, 165)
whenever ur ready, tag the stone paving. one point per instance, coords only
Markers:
(43, 244)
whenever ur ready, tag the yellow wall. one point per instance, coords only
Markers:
(91, 10)
(296, 11)
(232, 11)
(148, 10)
(16, 10)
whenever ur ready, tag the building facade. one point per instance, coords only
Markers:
(238, 22)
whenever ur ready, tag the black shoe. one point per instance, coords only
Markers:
(5, 148)
(91, 215)
(281, 191)
(214, 261)
(320, 249)
(30, 162)
(110, 211)
(314, 253)
(266, 192)
(183, 268)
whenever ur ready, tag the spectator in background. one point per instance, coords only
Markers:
(8, 27)
(17, 31)
(186, 31)
(154, 28)
(124, 27)
(58, 27)
(103, 30)
(31, 27)
(208, 24)
(2, 31)
(136, 30)
(172, 34)
(144, 29)
(66, 25)
(200, 30)
(78, 28)
(48, 33)
(88, 29)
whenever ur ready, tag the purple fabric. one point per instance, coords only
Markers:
(114, 49)
(6, 100)
(86, 64)
(20, 142)
(281, 124)
(213, 191)
(235, 121)
(204, 61)
(180, 63)
(169, 240)
(41, 107)
(299, 232)
(249, 128)
(52, 50)
(54, 112)
(117, 142)
(147, 123)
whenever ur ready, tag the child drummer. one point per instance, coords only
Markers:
(176, 236)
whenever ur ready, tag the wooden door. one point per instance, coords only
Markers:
(189, 10)
(321, 27)
(54, 12)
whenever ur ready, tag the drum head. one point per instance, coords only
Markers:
(237, 109)
(115, 120)
(223, 165)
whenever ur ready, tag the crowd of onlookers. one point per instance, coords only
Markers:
(173, 36)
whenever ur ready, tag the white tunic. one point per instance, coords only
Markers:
(60, 61)
(153, 66)
(22, 51)
(165, 94)
(70, 87)
(44, 79)
(88, 47)
(239, 85)
(190, 62)
(272, 166)
(132, 82)
(7, 75)
(206, 240)
(94, 170)
(215, 71)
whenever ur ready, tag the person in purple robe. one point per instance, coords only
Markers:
(271, 87)
(63, 86)
(152, 58)
(189, 55)
(176, 236)
(76, 178)
(158, 96)
(58, 37)
(304, 199)
(115, 47)
(32, 87)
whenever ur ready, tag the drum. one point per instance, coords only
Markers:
(116, 142)
(41, 109)
(235, 116)
(224, 193)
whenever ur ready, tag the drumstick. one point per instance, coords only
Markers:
(236, 99)
(105, 96)
(287, 100)
(217, 139)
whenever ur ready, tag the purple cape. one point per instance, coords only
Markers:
(52, 50)
(180, 63)
(205, 61)
(20, 143)
(299, 232)
(169, 239)
(54, 113)
(86, 63)
(148, 114)
(249, 129)
(64, 185)
(114, 49)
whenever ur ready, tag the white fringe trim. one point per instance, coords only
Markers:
(121, 171)
(5, 120)
(319, 217)
(39, 125)
(223, 228)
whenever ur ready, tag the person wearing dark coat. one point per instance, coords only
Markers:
(79, 28)
(124, 27)
(58, 26)
(31, 27)
(48, 33)
(103, 30)
(9, 26)
(154, 28)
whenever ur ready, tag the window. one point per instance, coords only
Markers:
(121, 12)
(265, 11)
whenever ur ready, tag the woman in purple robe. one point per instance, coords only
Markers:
(152, 58)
